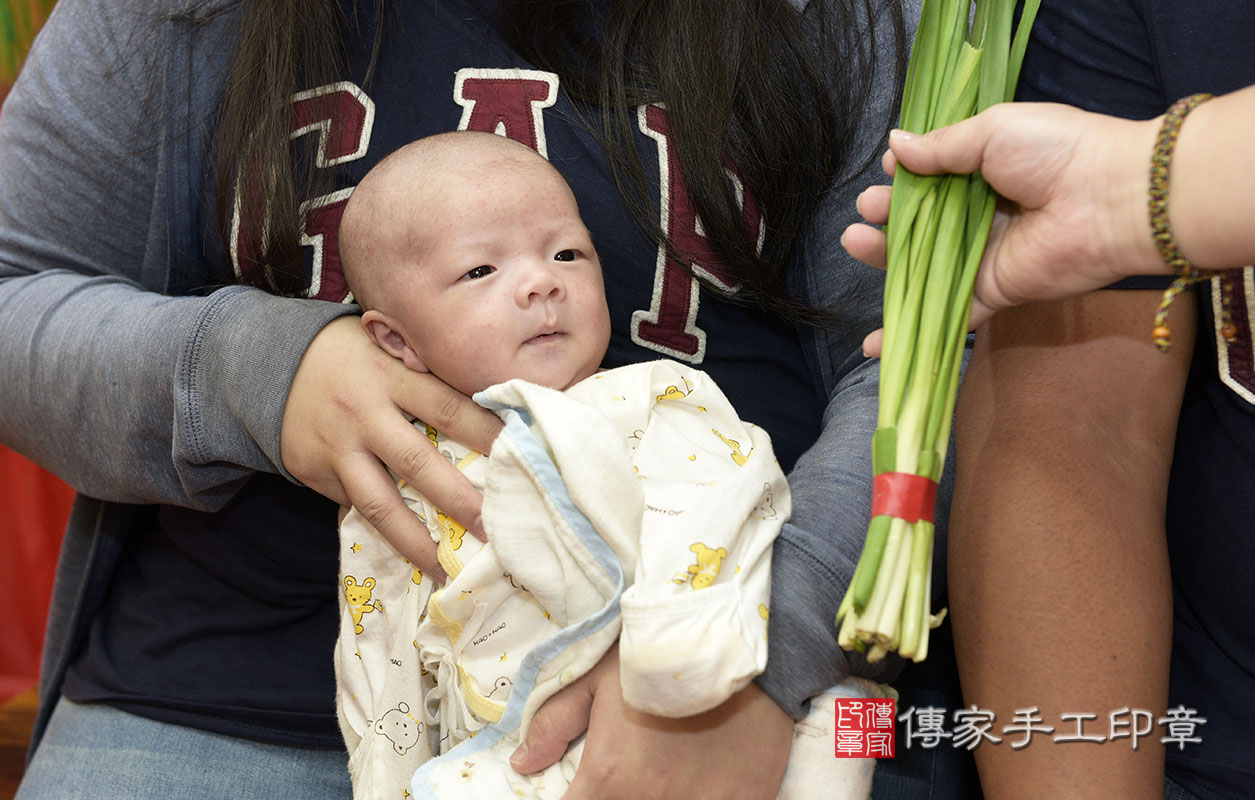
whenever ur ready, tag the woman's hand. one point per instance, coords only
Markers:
(1074, 212)
(348, 417)
(739, 749)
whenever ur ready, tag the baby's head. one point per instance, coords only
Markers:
(468, 256)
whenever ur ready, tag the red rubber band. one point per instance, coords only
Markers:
(904, 496)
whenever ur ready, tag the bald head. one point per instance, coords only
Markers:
(382, 227)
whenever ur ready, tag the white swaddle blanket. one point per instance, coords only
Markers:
(634, 506)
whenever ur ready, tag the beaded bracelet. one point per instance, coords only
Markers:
(1161, 229)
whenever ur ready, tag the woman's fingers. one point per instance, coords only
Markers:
(348, 415)
(374, 494)
(414, 459)
(872, 204)
(862, 241)
(865, 243)
(957, 148)
(559, 721)
(631, 754)
(889, 163)
(444, 408)
(873, 343)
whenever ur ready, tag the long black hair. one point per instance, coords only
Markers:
(744, 83)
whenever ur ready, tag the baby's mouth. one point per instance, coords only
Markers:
(545, 337)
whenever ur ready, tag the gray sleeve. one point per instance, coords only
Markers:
(814, 558)
(128, 393)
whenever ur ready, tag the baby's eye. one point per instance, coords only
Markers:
(564, 255)
(482, 271)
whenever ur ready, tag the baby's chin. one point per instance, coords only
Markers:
(583, 375)
(550, 379)
(561, 381)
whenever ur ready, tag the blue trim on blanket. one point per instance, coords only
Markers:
(517, 429)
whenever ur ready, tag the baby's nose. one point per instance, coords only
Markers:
(541, 283)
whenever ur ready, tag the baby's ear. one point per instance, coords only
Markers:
(384, 333)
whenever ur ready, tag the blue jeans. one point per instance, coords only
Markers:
(96, 751)
(918, 773)
(1175, 791)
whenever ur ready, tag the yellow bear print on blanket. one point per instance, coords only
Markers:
(707, 567)
(358, 597)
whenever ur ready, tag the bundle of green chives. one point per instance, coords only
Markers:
(961, 63)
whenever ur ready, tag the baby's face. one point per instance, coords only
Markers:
(507, 284)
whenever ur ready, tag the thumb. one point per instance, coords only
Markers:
(556, 723)
(957, 148)
(873, 343)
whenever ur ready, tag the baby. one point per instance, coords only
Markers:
(468, 255)
(630, 504)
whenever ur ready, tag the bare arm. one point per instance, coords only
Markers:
(1213, 183)
(1058, 567)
